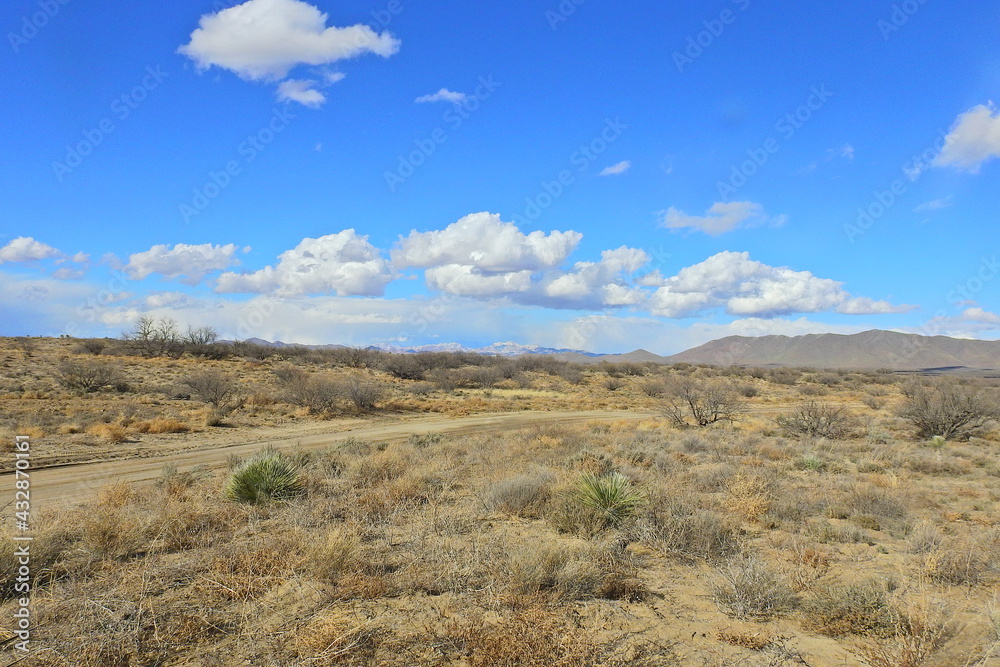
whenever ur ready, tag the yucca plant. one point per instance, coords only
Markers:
(262, 478)
(611, 496)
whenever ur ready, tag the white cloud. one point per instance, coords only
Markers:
(67, 273)
(263, 40)
(974, 139)
(443, 95)
(934, 205)
(616, 169)
(467, 280)
(483, 241)
(80, 258)
(722, 217)
(977, 314)
(189, 263)
(302, 91)
(344, 264)
(595, 284)
(744, 287)
(27, 249)
(846, 151)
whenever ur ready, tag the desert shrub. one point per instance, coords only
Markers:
(89, 376)
(785, 376)
(522, 495)
(571, 373)
(612, 496)
(957, 563)
(612, 383)
(317, 392)
(569, 573)
(161, 425)
(747, 587)
(267, 476)
(749, 495)
(335, 554)
(873, 402)
(861, 609)
(869, 500)
(923, 628)
(219, 389)
(687, 532)
(948, 409)
(703, 401)
(404, 366)
(93, 346)
(253, 351)
(653, 388)
(364, 394)
(817, 420)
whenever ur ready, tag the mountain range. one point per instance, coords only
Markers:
(866, 350)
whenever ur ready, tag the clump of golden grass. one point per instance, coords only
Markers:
(161, 425)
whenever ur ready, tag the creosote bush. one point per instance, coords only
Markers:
(264, 477)
(817, 420)
(948, 409)
(747, 587)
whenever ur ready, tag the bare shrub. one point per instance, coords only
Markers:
(957, 563)
(861, 609)
(522, 495)
(703, 401)
(404, 366)
(26, 345)
(653, 388)
(923, 628)
(687, 532)
(747, 587)
(318, 393)
(948, 408)
(219, 389)
(362, 393)
(334, 555)
(613, 383)
(88, 376)
(93, 346)
(817, 420)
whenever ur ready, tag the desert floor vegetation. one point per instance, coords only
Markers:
(800, 528)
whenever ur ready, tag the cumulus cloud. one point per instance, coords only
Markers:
(616, 169)
(485, 242)
(188, 263)
(27, 249)
(747, 288)
(302, 91)
(722, 217)
(263, 40)
(443, 95)
(596, 284)
(344, 264)
(974, 139)
(977, 314)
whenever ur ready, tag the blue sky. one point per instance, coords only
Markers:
(575, 174)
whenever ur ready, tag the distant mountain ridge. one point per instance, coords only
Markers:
(506, 349)
(865, 350)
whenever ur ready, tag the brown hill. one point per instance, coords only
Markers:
(869, 349)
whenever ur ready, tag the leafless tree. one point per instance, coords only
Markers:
(703, 401)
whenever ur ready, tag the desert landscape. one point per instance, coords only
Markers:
(568, 333)
(238, 504)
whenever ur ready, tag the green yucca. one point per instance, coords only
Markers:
(612, 496)
(264, 477)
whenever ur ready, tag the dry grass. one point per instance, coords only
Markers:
(474, 550)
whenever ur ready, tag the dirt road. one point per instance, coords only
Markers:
(75, 482)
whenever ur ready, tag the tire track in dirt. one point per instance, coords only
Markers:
(71, 483)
